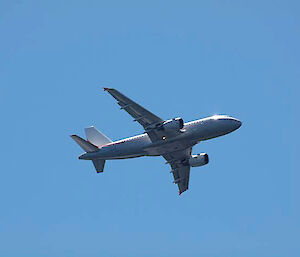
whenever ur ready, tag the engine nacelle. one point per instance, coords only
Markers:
(174, 124)
(199, 160)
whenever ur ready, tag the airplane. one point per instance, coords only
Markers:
(172, 139)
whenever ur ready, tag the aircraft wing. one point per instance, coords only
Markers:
(180, 167)
(146, 118)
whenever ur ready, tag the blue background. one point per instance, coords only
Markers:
(177, 58)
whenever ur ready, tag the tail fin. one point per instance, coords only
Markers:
(89, 147)
(96, 137)
(85, 145)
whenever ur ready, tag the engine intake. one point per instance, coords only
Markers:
(175, 124)
(198, 160)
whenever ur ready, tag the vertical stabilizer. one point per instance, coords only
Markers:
(89, 147)
(96, 137)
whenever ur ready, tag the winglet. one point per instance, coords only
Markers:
(105, 88)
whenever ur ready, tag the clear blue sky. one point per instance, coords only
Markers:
(177, 58)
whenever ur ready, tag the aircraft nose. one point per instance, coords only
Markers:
(238, 123)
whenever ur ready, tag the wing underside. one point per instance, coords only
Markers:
(147, 119)
(139, 113)
(180, 168)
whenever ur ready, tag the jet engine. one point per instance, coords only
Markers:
(198, 160)
(174, 125)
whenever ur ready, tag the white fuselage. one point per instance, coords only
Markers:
(192, 133)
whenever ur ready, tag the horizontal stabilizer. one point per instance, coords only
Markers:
(96, 137)
(85, 145)
(99, 165)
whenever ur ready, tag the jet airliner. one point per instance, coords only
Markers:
(172, 139)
